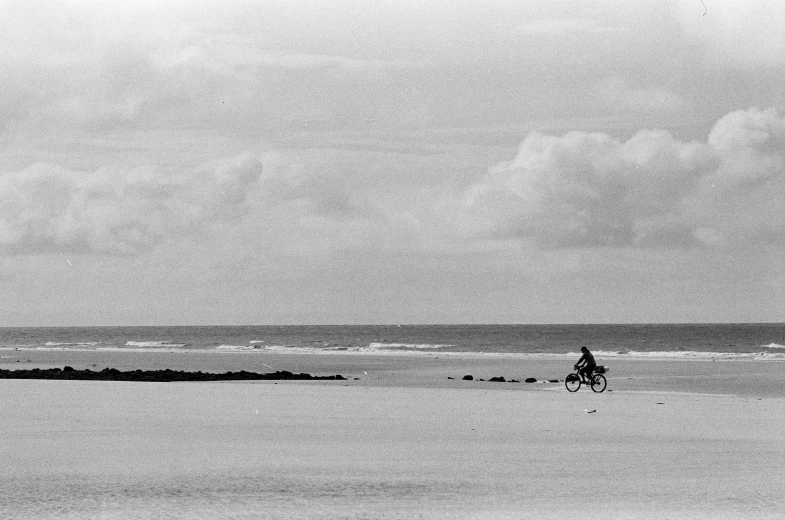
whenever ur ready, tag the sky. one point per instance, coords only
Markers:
(363, 162)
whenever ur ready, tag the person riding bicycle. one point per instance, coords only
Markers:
(587, 363)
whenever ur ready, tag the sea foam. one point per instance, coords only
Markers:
(154, 344)
(238, 347)
(414, 346)
(71, 344)
(690, 354)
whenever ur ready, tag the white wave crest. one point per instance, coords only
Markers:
(418, 346)
(238, 347)
(154, 344)
(71, 344)
(688, 354)
(292, 349)
(774, 345)
(288, 348)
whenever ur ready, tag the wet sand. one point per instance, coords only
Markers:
(669, 439)
(744, 378)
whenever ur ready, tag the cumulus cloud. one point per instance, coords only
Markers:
(589, 189)
(117, 211)
(581, 189)
(743, 198)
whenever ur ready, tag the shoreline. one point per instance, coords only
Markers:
(751, 378)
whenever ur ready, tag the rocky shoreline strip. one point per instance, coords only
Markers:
(112, 374)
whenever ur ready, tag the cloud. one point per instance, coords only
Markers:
(225, 52)
(92, 68)
(45, 208)
(620, 97)
(590, 190)
(743, 199)
(566, 26)
(735, 33)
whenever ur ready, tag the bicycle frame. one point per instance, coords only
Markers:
(595, 380)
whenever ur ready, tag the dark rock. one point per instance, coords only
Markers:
(531, 380)
(468, 378)
(448, 377)
(514, 381)
(499, 379)
(168, 375)
(553, 380)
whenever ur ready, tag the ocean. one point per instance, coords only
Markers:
(735, 341)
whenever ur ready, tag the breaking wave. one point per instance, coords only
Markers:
(239, 347)
(404, 346)
(373, 347)
(154, 344)
(428, 350)
(75, 344)
(690, 354)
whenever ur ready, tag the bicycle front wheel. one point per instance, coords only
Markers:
(572, 382)
(598, 383)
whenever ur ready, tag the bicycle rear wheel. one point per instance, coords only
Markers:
(598, 383)
(572, 382)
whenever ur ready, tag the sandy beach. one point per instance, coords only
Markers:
(399, 439)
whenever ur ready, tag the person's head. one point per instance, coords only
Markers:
(584, 349)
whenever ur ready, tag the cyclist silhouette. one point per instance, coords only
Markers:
(586, 363)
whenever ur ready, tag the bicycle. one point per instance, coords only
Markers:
(597, 381)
